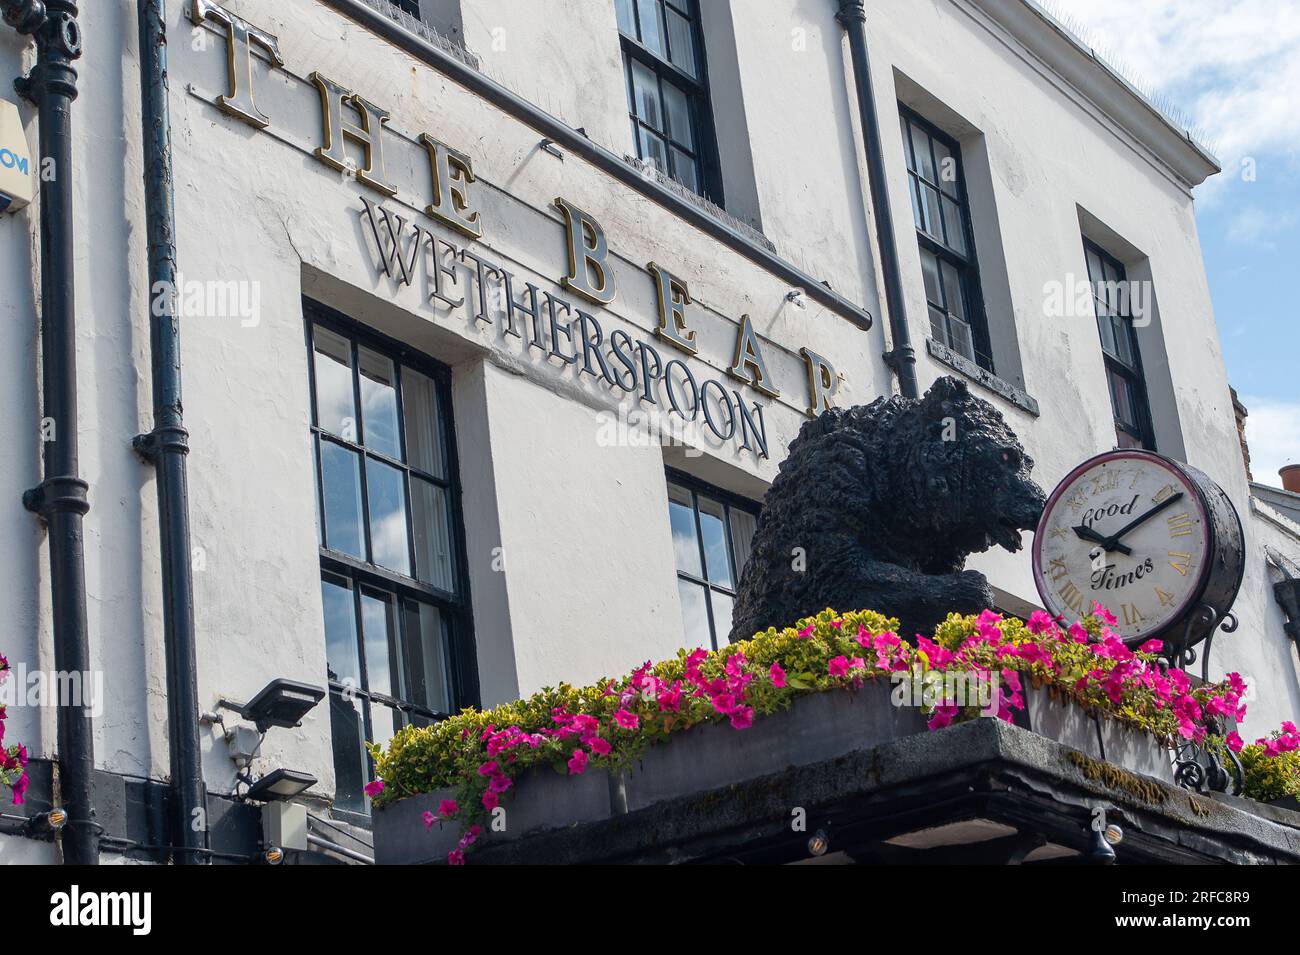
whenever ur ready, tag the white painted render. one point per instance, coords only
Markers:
(588, 587)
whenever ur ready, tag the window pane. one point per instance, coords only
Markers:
(939, 324)
(427, 657)
(695, 617)
(350, 767)
(626, 21)
(341, 476)
(960, 338)
(684, 170)
(431, 524)
(685, 542)
(651, 34)
(378, 403)
(1121, 396)
(930, 272)
(953, 293)
(921, 152)
(954, 226)
(930, 212)
(713, 527)
(907, 143)
(387, 498)
(645, 95)
(946, 171)
(652, 150)
(1095, 271)
(678, 110)
(722, 605)
(336, 409)
(378, 627)
(384, 723)
(680, 50)
(1106, 330)
(421, 416)
(340, 631)
(914, 190)
(743, 527)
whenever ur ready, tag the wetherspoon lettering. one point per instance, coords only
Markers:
(562, 330)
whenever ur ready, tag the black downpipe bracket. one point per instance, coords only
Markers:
(167, 445)
(902, 358)
(61, 498)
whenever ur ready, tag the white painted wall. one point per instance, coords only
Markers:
(589, 586)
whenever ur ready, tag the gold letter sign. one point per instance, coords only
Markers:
(332, 98)
(822, 382)
(672, 297)
(239, 60)
(749, 358)
(452, 174)
(589, 272)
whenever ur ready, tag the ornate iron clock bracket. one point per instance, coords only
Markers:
(1195, 767)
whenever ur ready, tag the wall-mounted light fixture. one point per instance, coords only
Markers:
(280, 784)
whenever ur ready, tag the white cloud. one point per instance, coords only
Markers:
(1232, 65)
(1253, 225)
(1273, 434)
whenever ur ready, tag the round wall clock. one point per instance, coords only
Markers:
(1154, 540)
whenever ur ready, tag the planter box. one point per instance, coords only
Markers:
(540, 799)
(1103, 739)
(816, 727)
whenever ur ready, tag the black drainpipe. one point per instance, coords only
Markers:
(60, 500)
(902, 358)
(166, 446)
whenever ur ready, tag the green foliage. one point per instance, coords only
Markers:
(1270, 777)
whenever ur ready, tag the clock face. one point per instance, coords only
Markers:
(1127, 530)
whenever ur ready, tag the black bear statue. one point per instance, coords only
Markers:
(876, 507)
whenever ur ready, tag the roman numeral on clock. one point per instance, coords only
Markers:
(1181, 562)
(1132, 615)
(1057, 568)
(1164, 596)
(1072, 597)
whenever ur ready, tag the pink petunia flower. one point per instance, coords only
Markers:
(429, 820)
(838, 666)
(374, 788)
(627, 720)
(448, 808)
(777, 675)
(1104, 613)
(456, 857)
(742, 717)
(577, 763)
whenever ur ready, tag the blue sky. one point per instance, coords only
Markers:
(1232, 69)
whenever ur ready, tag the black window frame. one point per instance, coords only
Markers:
(1143, 430)
(729, 502)
(706, 163)
(409, 7)
(361, 576)
(966, 264)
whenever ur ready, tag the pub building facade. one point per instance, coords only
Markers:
(497, 317)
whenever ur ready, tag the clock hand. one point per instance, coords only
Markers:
(1087, 533)
(1114, 538)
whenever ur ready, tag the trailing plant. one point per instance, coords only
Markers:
(1271, 763)
(13, 757)
(481, 754)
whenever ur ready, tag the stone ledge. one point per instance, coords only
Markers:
(981, 376)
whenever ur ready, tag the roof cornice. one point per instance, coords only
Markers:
(1083, 69)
